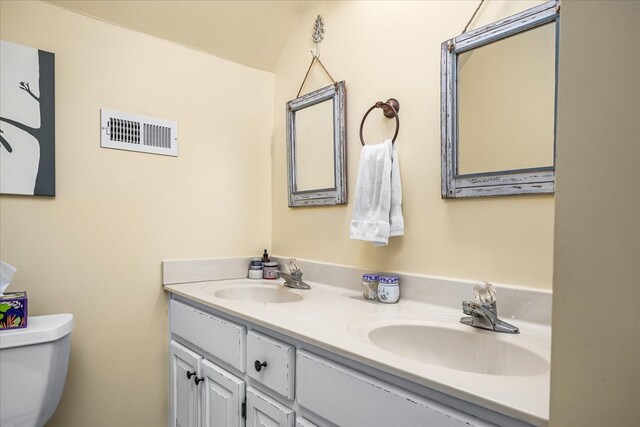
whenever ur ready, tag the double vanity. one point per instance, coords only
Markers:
(255, 352)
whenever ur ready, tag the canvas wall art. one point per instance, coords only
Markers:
(27, 120)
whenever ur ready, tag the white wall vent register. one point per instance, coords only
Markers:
(124, 131)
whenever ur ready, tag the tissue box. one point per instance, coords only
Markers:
(13, 310)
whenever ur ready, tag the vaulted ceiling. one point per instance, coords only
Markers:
(249, 32)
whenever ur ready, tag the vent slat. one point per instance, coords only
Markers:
(126, 131)
(139, 133)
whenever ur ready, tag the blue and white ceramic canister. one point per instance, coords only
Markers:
(388, 289)
(370, 286)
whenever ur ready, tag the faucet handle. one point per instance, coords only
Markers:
(292, 266)
(484, 293)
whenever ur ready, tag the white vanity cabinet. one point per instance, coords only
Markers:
(249, 375)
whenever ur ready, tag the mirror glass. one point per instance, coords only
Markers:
(498, 107)
(315, 167)
(316, 148)
(506, 103)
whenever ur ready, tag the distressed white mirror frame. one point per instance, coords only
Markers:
(336, 195)
(498, 183)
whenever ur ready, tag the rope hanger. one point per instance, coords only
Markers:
(451, 46)
(318, 35)
(472, 16)
(314, 59)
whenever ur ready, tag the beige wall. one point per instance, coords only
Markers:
(392, 49)
(596, 343)
(95, 249)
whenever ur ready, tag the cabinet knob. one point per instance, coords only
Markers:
(198, 380)
(259, 365)
(190, 374)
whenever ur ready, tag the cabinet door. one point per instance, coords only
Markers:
(184, 402)
(301, 422)
(262, 411)
(222, 395)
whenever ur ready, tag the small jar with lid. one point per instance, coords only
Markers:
(370, 286)
(255, 272)
(388, 289)
(270, 270)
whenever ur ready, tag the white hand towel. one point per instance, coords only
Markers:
(377, 211)
(396, 219)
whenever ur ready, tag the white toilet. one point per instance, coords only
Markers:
(33, 369)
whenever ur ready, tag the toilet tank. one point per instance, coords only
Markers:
(33, 369)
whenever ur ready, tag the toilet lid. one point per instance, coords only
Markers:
(40, 329)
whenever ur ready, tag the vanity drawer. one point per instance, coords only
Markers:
(348, 397)
(279, 372)
(223, 339)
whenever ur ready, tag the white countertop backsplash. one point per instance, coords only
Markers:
(514, 302)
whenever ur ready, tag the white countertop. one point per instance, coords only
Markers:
(331, 317)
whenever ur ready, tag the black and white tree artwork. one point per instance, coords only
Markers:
(27, 120)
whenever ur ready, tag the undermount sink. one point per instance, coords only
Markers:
(449, 344)
(257, 293)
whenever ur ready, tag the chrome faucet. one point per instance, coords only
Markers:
(483, 313)
(293, 279)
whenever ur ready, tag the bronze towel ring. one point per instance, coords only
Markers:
(389, 109)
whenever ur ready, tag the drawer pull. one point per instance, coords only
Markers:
(198, 380)
(190, 374)
(259, 365)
